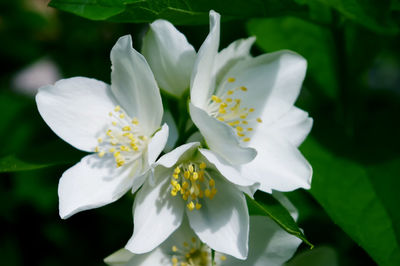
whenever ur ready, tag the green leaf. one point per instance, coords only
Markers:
(26, 142)
(11, 163)
(385, 179)
(176, 11)
(266, 205)
(40, 156)
(312, 41)
(376, 15)
(345, 191)
(92, 9)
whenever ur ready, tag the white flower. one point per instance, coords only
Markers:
(119, 122)
(269, 246)
(243, 106)
(198, 184)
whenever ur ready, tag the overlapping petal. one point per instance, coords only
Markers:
(226, 169)
(156, 215)
(134, 86)
(202, 81)
(279, 165)
(170, 56)
(222, 223)
(272, 247)
(229, 56)
(157, 144)
(220, 137)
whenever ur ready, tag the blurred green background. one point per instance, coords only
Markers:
(352, 90)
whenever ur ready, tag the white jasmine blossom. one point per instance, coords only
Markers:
(272, 247)
(243, 107)
(120, 123)
(195, 183)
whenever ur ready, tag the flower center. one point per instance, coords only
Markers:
(123, 139)
(192, 182)
(227, 107)
(193, 253)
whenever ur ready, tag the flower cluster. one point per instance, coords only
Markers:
(190, 200)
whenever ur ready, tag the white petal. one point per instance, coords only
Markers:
(279, 196)
(202, 83)
(133, 84)
(156, 215)
(275, 76)
(223, 222)
(226, 169)
(294, 126)
(91, 183)
(124, 257)
(183, 234)
(278, 165)
(173, 134)
(76, 109)
(268, 244)
(157, 144)
(168, 160)
(291, 69)
(226, 58)
(170, 56)
(119, 258)
(220, 137)
(250, 190)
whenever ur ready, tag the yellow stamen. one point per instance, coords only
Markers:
(191, 206)
(216, 99)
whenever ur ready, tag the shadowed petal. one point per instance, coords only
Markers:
(170, 56)
(91, 183)
(134, 86)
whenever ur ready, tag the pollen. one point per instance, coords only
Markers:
(191, 252)
(192, 182)
(135, 121)
(124, 140)
(227, 106)
(216, 99)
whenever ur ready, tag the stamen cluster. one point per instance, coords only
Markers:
(123, 139)
(228, 108)
(194, 253)
(192, 182)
